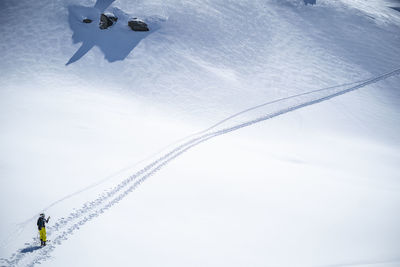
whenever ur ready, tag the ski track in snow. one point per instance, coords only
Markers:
(26, 222)
(65, 227)
(174, 143)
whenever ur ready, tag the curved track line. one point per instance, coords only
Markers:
(263, 105)
(24, 223)
(105, 201)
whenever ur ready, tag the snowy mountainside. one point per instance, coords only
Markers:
(92, 124)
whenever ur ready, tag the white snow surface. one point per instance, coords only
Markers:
(233, 133)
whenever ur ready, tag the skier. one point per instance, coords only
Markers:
(41, 223)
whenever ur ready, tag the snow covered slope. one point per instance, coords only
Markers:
(303, 177)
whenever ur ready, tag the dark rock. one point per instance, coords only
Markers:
(138, 26)
(87, 21)
(107, 21)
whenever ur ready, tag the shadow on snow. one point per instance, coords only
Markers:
(30, 249)
(116, 42)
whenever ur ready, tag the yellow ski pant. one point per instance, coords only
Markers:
(42, 233)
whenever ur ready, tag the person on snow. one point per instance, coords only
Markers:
(41, 223)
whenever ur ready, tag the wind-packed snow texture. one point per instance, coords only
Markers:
(261, 133)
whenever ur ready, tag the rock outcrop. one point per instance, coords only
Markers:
(138, 25)
(107, 20)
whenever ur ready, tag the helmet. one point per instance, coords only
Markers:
(41, 214)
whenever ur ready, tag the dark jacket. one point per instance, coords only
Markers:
(41, 222)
